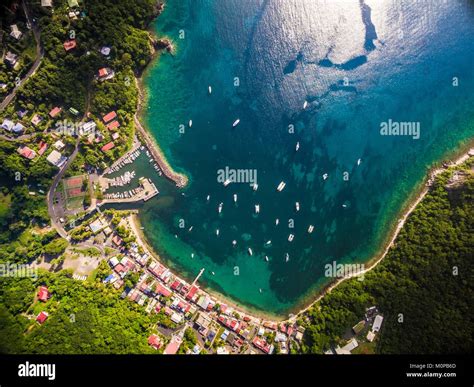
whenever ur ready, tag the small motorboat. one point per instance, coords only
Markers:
(281, 186)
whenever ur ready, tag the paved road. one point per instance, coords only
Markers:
(19, 138)
(36, 64)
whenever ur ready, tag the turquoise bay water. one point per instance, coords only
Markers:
(357, 65)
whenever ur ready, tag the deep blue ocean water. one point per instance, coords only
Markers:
(357, 64)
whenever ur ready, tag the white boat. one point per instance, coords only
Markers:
(281, 186)
(344, 206)
(218, 232)
(310, 228)
(325, 176)
(236, 122)
(235, 198)
(208, 197)
(266, 258)
(277, 221)
(213, 273)
(234, 242)
(219, 209)
(209, 89)
(359, 161)
(254, 186)
(227, 182)
(287, 257)
(291, 237)
(297, 206)
(190, 228)
(192, 255)
(268, 243)
(190, 123)
(257, 208)
(305, 105)
(260, 290)
(250, 251)
(297, 146)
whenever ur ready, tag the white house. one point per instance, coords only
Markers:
(377, 323)
(56, 158)
(7, 124)
(16, 33)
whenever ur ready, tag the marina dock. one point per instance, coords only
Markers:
(179, 179)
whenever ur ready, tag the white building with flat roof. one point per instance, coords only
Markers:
(377, 323)
(56, 158)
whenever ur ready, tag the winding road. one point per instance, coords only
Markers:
(36, 64)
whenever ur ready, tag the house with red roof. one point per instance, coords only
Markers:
(175, 285)
(42, 148)
(109, 116)
(120, 269)
(160, 289)
(69, 44)
(117, 241)
(173, 346)
(55, 111)
(105, 73)
(154, 341)
(113, 125)
(26, 152)
(102, 72)
(263, 345)
(43, 294)
(192, 292)
(108, 146)
(270, 325)
(42, 317)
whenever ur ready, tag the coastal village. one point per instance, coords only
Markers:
(219, 328)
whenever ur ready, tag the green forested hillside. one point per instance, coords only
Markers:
(423, 287)
(84, 317)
